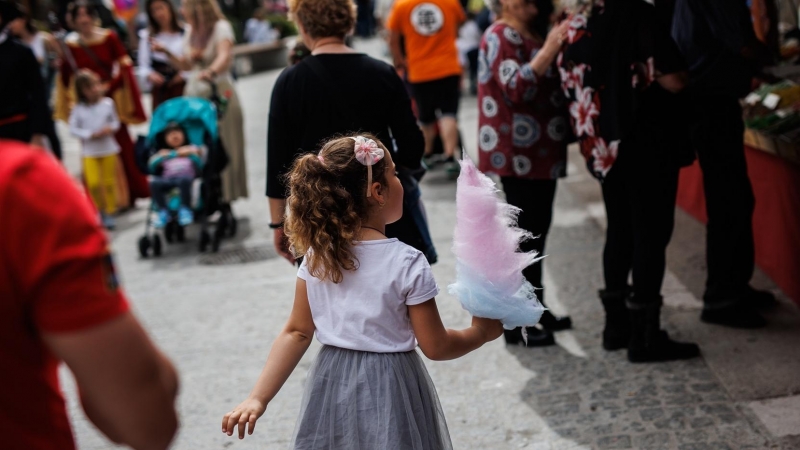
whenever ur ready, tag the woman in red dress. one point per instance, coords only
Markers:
(101, 51)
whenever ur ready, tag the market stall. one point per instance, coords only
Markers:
(772, 148)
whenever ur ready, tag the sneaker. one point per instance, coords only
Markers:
(161, 220)
(431, 161)
(108, 222)
(185, 216)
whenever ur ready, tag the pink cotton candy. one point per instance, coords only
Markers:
(486, 245)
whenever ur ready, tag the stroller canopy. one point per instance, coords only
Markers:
(196, 115)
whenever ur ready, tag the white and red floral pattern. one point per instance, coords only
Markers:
(577, 28)
(583, 111)
(571, 79)
(604, 155)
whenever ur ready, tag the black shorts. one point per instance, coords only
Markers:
(440, 96)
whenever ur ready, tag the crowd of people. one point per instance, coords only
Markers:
(641, 89)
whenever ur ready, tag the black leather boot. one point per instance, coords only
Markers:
(536, 337)
(552, 322)
(617, 331)
(649, 343)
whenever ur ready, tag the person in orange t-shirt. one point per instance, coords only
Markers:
(60, 301)
(430, 59)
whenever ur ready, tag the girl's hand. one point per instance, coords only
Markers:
(248, 412)
(156, 79)
(492, 329)
(207, 75)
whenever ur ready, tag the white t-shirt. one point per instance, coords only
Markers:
(368, 310)
(85, 120)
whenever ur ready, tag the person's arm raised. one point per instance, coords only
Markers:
(127, 386)
(439, 343)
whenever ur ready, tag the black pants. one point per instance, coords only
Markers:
(535, 199)
(717, 137)
(639, 194)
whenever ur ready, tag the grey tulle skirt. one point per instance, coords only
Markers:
(370, 401)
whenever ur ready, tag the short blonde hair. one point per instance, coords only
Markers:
(324, 18)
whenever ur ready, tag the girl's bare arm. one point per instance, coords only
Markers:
(287, 350)
(439, 343)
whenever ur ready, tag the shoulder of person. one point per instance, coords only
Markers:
(144, 33)
(20, 163)
(72, 38)
(223, 26)
(107, 102)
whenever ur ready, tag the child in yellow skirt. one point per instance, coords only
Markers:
(94, 121)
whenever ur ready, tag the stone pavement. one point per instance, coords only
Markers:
(217, 323)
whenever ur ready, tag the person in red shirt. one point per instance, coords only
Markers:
(60, 301)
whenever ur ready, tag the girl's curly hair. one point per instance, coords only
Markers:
(327, 205)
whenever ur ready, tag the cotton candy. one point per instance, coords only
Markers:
(489, 281)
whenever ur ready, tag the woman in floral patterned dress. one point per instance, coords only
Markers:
(524, 130)
(620, 70)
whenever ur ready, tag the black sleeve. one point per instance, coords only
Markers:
(406, 132)
(38, 111)
(279, 153)
(728, 20)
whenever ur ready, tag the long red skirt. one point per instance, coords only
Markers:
(137, 181)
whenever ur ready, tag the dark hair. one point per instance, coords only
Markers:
(9, 11)
(297, 54)
(77, 5)
(154, 27)
(83, 79)
(327, 205)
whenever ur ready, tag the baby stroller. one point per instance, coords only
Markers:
(198, 117)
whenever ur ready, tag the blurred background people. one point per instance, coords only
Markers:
(24, 114)
(163, 27)
(46, 51)
(523, 131)
(101, 51)
(257, 29)
(429, 59)
(208, 53)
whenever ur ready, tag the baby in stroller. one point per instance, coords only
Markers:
(175, 166)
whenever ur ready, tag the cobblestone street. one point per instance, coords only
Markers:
(217, 320)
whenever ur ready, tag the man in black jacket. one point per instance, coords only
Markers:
(23, 111)
(723, 54)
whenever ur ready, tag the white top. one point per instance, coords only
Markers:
(86, 120)
(222, 32)
(37, 46)
(368, 310)
(171, 41)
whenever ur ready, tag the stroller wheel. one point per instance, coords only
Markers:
(180, 234)
(156, 245)
(169, 231)
(144, 246)
(205, 239)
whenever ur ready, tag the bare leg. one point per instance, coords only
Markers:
(429, 132)
(448, 126)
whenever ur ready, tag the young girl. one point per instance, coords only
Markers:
(174, 167)
(370, 301)
(94, 121)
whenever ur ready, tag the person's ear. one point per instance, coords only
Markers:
(378, 193)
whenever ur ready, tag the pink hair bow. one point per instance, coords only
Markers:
(368, 153)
